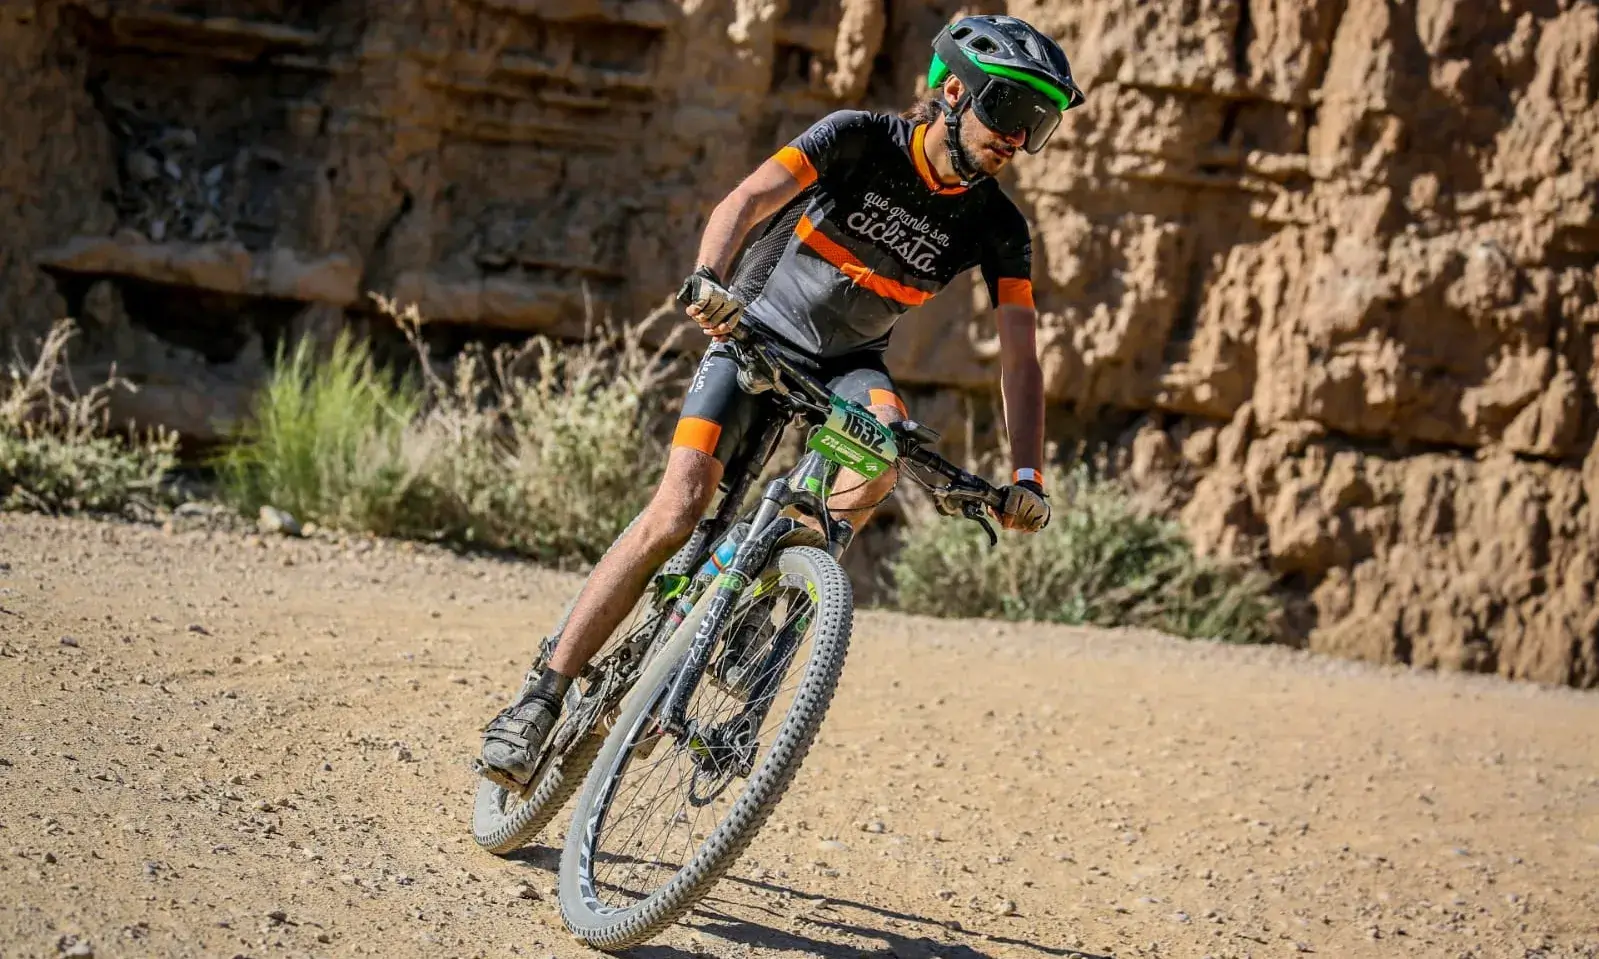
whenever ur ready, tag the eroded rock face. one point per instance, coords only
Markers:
(1343, 252)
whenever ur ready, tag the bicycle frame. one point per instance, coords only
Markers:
(806, 487)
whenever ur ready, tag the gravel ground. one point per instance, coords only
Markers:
(217, 744)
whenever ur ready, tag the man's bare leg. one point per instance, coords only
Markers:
(619, 579)
(512, 740)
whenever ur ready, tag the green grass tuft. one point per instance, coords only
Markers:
(1102, 561)
(328, 441)
(544, 450)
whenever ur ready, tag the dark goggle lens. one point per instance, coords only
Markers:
(1009, 108)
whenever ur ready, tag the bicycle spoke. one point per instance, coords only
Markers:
(645, 820)
(639, 846)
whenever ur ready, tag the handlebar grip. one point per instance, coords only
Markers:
(690, 292)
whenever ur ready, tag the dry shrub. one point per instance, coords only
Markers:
(544, 449)
(1104, 560)
(57, 451)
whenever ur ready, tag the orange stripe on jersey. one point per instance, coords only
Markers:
(886, 398)
(697, 434)
(796, 162)
(1014, 292)
(919, 157)
(849, 265)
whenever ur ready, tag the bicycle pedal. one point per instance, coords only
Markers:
(481, 768)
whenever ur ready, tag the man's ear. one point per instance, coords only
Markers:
(953, 88)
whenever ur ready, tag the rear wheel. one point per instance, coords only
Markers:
(661, 818)
(504, 821)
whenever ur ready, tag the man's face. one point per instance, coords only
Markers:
(988, 149)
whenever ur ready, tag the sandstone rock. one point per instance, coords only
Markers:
(223, 268)
(273, 520)
(1153, 455)
(860, 35)
(1343, 251)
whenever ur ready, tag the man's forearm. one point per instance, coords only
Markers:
(761, 194)
(724, 231)
(1022, 388)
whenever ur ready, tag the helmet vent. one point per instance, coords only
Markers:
(984, 45)
(961, 33)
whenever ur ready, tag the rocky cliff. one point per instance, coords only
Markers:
(1332, 263)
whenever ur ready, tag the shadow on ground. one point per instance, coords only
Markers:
(737, 921)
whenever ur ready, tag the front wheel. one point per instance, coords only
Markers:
(661, 818)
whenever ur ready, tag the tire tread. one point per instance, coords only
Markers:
(720, 850)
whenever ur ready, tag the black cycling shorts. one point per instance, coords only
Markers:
(717, 416)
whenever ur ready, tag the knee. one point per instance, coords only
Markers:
(670, 525)
(666, 526)
(886, 414)
(673, 511)
(878, 489)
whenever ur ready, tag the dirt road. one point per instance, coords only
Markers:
(217, 746)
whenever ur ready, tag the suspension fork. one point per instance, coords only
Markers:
(805, 487)
(758, 700)
(753, 552)
(672, 583)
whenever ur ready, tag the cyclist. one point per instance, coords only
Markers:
(871, 214)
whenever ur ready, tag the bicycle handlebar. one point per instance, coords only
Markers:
(966, 494)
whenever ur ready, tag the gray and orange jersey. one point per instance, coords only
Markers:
(873, 234)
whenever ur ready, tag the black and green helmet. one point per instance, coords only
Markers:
(1016, 77)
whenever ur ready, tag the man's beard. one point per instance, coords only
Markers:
(990, 154)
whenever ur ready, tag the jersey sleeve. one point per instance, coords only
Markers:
(1007, 262)
(830, 142)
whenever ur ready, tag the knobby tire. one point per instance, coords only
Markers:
(612, 928)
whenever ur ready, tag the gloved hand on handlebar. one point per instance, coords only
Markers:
(1026, 507)
(709, 303)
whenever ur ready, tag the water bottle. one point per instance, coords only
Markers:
(720, 557)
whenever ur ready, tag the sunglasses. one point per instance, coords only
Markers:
(1009, 108)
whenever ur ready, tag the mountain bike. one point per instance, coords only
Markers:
(716, 686)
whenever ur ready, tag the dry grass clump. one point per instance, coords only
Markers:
(57, 451)
(544, 449)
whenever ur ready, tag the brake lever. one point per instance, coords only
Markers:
(974, 512)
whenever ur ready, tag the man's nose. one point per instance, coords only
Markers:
(1016, 139)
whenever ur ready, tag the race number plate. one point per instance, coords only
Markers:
(853, 438)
